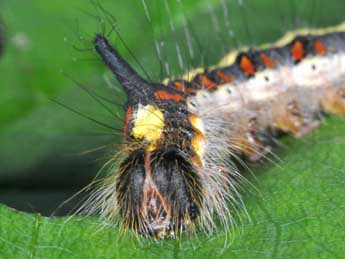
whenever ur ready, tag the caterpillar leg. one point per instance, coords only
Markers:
(290, 119)
(333, 101)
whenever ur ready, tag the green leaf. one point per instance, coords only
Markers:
(298, 209)
(37, 66)
(297, 213)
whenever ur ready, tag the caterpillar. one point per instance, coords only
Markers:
(178, 171)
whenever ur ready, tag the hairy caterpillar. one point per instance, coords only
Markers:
(177, 172)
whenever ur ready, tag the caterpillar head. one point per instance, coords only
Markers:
(157, 190)
(158, 193)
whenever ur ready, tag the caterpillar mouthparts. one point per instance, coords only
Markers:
(181, 135)
(154, 194)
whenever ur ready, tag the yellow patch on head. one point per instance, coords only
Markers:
(148, 123)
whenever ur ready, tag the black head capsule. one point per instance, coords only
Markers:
(159, 193)
(158, 189)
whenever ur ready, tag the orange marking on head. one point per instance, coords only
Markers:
(319, 47)
(152, 200)
(267, 61)
(224, 77)
(198, 142)
(247, 66)
(297, 50)
(127, 118)
(165, 95)
(180, 86)
(207, 83)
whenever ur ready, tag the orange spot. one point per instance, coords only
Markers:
(224, 77)
(191, 91)
(297, 50)
(267, 61)
(194, 120)
(206, 82)
(165, 95)
(319, 47)
(247, 66)
(179, 86)
(198, 140)
(198, 143)
(127, 118)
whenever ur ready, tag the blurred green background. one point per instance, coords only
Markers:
(45, 147)
(48, 152)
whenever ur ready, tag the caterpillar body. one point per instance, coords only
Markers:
(178, 169)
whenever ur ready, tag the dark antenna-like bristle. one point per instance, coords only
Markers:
(133, 84)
